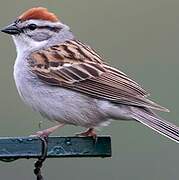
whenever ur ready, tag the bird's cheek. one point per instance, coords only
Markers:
(40, 36)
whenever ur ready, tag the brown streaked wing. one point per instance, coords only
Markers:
(68, 62)
(76, 66)
(105, 88)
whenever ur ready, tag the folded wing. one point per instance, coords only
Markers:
(78, 67)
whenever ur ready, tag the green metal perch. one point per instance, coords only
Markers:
(58, 147)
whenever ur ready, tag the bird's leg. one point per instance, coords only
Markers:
(88, 133)
(47, 132)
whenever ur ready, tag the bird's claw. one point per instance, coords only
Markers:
(88, 133)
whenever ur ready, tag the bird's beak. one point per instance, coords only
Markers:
(11, 29)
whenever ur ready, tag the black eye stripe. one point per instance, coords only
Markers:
(55, 29)
(50, 28)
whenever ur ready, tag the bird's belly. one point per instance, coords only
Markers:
(59, 104)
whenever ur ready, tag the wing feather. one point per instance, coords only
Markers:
(78, 67)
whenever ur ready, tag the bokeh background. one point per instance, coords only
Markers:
(140, 37)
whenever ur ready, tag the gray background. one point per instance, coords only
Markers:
(140, 37)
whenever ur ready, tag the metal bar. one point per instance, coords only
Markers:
(27, 147)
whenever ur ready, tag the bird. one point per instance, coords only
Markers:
(69, 83)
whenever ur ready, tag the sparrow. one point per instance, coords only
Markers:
(68, 82)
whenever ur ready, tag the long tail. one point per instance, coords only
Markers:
(150, 119)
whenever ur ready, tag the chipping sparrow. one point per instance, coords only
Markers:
(68, 82)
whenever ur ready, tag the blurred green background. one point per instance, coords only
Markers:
(140, 37)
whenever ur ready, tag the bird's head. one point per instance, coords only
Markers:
(36, 28)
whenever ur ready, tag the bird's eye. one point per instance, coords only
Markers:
(32, 26)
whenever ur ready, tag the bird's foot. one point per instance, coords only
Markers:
(47, 132)
(88, 133)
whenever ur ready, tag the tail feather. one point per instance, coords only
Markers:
(156, 123)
